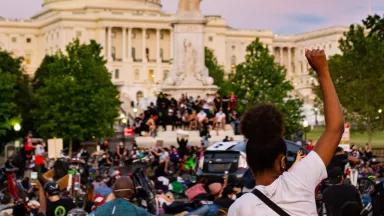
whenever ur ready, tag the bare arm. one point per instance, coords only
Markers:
(334, 120)
(42, 198)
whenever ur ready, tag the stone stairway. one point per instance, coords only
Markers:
(168, 137)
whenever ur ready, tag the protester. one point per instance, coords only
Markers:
(293, 191)
(123, 191)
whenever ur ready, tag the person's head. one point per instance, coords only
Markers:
(263, 128)
(52, 189)
(123, 188)
(335, 175)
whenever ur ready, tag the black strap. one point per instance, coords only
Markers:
(269, 203)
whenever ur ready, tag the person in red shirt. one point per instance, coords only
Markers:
(28, 146)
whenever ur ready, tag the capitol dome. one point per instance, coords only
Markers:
(121, 4)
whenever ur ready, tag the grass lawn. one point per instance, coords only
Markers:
(356, 137)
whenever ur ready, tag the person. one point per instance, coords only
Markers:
(123, 190)
(290, 192)
(220, 120)
(51, 203)
(121, 151)
(341, 199)
(201, 117)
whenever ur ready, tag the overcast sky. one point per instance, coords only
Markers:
(281, 16)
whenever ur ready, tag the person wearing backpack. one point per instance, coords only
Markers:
(292, 192)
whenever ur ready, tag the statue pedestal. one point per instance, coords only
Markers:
(189, 90)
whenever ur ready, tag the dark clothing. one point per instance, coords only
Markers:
(60, 207)
(224, 202)
(340, 198)
(338, 161)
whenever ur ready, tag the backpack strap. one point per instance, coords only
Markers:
(269, 203)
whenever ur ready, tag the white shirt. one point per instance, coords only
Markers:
(294, 191)
(220, 116)
(201, 116)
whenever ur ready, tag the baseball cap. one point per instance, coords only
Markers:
(52, 188)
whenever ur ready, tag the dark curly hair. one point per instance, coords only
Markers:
(263, 128)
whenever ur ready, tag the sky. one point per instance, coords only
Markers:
(281, 16)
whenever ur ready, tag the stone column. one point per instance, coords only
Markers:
(103, 41)
(124, 44)
(289, 66)
(144, 45)
(171, 43)
(130, 44)
(109, 35)
(281, 56)
(158, 57)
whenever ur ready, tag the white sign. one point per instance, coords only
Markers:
(55, 146)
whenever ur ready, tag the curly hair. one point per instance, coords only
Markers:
(263, 128)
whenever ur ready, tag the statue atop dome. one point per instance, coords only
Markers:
(189, 6)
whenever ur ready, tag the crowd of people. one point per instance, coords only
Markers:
(189, 113)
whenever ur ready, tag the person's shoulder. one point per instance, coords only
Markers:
(245, 205)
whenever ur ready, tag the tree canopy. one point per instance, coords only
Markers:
(14, 96)
(260, 80)
(75, 98)
(359, 75)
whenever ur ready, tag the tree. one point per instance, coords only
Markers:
(216, 71)
(75, 98)
(260, 80)
(359, 75)
(15, 95)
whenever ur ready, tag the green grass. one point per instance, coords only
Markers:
(356, 137)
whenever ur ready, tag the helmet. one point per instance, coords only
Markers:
(52, 188)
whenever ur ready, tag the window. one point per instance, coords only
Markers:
(233, 60)
(113, 54)
(28, 59)
(166, 74)
(133, 53)
(78, 34)
(28, 40)
(58, 35)
(161, 36)
(147, 35)
(151, 76)
(137, 74)
(133, 35)
(14, 39)
(161, 53)
(210, 38)
(330, 46)
(233, 47)
(117, 73)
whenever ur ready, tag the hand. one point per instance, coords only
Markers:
(317, 60)
(299, 155)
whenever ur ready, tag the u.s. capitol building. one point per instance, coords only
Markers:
(138, 41)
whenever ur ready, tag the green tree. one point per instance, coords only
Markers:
(75, 98)
(359, 75)
(260, 80)
(216, 71)
(15, 95)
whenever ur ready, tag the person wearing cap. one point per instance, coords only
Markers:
(51, 203)
(123, 190)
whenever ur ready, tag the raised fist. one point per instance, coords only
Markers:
(317, 60)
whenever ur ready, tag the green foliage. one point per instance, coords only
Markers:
(14, 96)
(260, 80)
(215, 70)
(75, 98)
(359, 75)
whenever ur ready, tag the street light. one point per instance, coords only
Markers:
(380, 111)
(17, 127)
